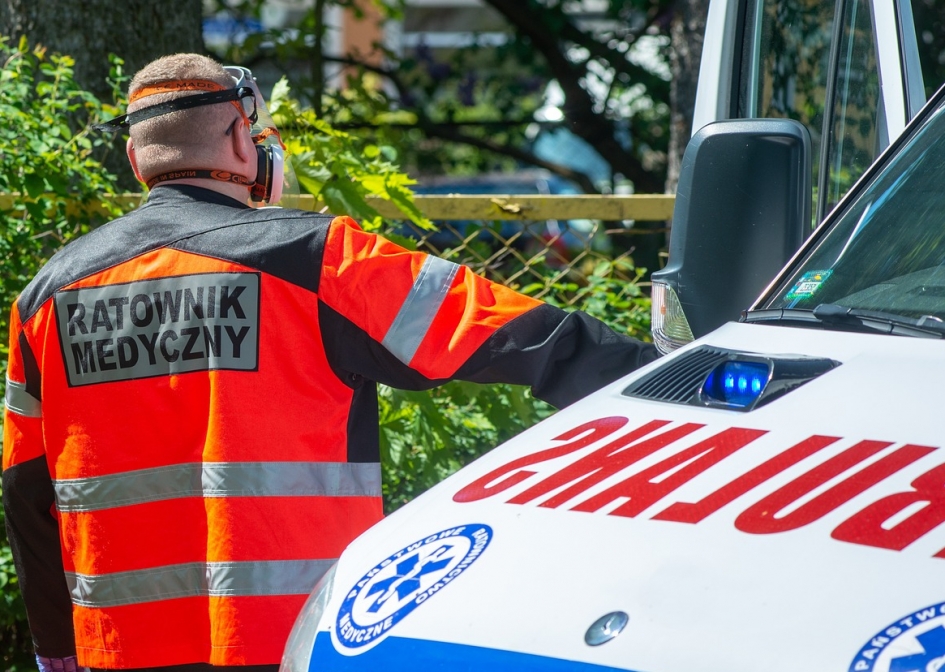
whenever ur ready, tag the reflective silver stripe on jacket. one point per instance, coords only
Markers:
(419, 308)
(197, 579)
(19, 401)
(220, 479)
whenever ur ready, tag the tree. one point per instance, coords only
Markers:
(136, 30)
(577, 58)
(687, 32)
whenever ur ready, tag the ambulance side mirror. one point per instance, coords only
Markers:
(743, 207)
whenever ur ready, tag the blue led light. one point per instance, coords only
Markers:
(736, 383)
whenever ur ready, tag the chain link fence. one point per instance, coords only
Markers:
(518, 253)
(538, 257)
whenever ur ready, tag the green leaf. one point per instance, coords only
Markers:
(34, 185)
(344, 198)
(309, 185)
(313, 171)
(280, 103)
(403, 199)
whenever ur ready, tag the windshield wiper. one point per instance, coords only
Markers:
(927, 326)
(876, 320)
(781, 315)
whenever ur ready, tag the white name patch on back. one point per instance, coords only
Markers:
(159, 327)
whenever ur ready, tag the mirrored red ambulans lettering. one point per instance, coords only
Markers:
(158, 327)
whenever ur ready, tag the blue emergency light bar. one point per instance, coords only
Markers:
(736, 384)
(729, 380)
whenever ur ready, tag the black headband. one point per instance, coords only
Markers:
(184, 103)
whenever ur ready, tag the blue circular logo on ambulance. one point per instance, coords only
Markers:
(915, 643)
(403, 581)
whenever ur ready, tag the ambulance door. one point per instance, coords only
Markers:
(848, 70)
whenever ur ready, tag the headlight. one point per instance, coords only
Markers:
(298, 650)
(668, 322)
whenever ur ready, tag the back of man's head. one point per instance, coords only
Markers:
(185, 138)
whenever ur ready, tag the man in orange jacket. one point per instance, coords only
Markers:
(190, 434)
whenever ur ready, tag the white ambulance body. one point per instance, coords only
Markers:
(770, 496)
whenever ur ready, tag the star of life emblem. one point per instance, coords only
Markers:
(915, 643)
(400, 583)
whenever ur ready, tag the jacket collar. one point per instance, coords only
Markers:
(186, 193)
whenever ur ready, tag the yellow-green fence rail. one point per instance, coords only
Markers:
(643, 207)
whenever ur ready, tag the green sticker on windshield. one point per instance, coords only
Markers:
(808, 285)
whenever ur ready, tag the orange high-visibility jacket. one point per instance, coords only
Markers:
(190, 428)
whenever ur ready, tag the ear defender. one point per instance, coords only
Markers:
(269, 163)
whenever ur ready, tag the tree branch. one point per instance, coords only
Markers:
(615, 59)
(583, 120)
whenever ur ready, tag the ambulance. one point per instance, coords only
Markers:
(770, 494)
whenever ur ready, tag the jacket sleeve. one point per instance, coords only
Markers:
(412, 320)
(28, 505)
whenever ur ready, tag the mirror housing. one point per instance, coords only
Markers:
(743, 207)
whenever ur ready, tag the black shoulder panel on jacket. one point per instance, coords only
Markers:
(290, 246)
(282, 242)
(350, 350)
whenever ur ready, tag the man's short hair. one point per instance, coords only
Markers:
(178, 139)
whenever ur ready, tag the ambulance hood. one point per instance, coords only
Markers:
(633, 534)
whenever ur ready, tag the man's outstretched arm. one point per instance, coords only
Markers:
(412, 320)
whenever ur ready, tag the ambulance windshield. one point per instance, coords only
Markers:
(887, 252)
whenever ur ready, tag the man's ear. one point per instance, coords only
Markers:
(132, 159)
(245, 150)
